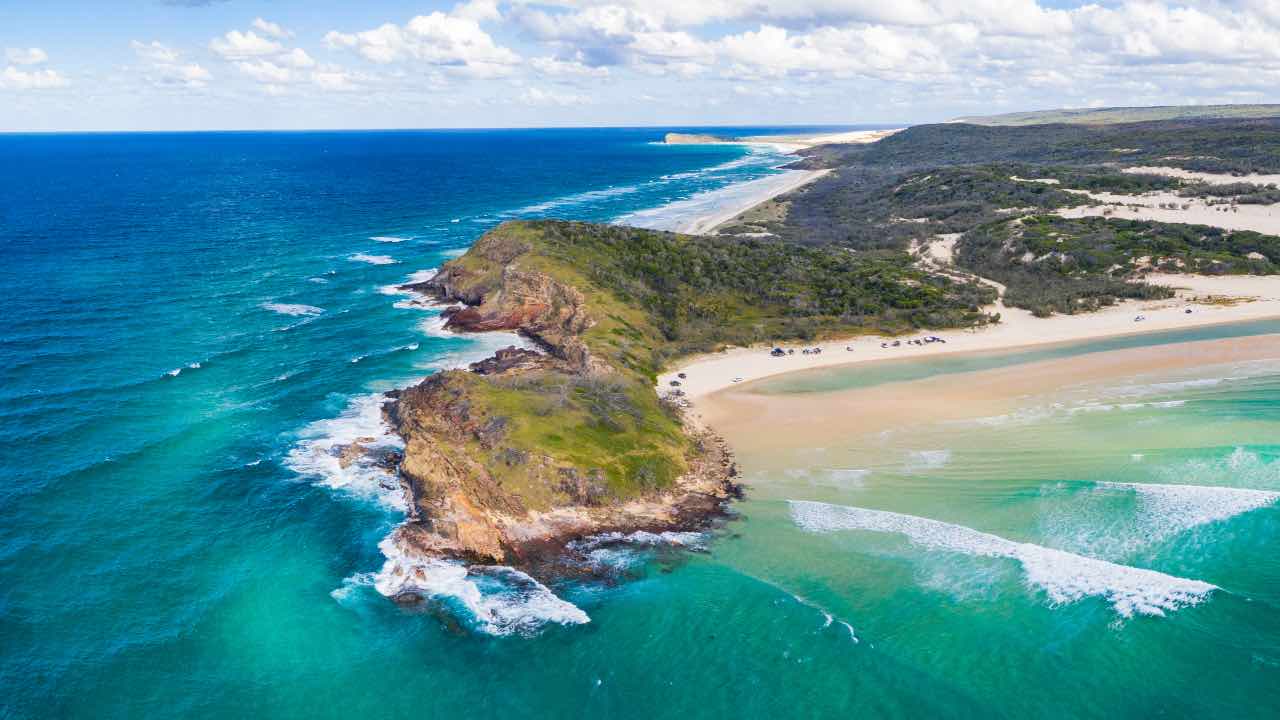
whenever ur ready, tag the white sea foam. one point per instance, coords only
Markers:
(575, 199)
(414, 278)
(388, 239)
(495, 600)
(292, 309)
(316, 453)
(925, 460)
(1166, 510)
(351, 585)
(373, 259)
(178, 371)
(831, 476)
(454, 252)
(1064, 577)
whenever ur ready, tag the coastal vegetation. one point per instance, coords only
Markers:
(1113, 115)
(1055, 264)
(998, 187)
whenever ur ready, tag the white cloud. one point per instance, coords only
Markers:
(236, 45)
(297, 58)
(14, 79)
(535, 96)
(166, 69)
(479, 11)
(155, 51)
(334, 80)
(566, 68)
(26, 56)
(454, 40)
(265, 71)
(271, 29)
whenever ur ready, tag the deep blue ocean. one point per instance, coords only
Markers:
(192, 322)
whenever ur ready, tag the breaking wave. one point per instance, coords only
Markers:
(373, 259)
(292, 309)
(318, 453)
(495, 600)
(1064, 577)
(1166, 510)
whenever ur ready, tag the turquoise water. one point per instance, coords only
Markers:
(193, 320)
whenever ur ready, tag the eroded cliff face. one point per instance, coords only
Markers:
(478, 491)
(497, 294)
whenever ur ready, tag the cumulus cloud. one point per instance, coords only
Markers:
(238, 45)
(14, 79)
(535, 96)
(567, 68)
(271, 29)
(26, 56)
(164, 66)
(453, 40)
(154, 51)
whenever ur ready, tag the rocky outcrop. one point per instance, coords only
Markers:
(460, 455)
(497, 294)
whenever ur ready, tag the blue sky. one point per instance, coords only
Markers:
(289, 64)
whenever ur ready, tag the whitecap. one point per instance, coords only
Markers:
(316, 453)
(351, 585)
(388, 239)
(373, 259)
(1166, 510)
(495, 600)
(1064, 577)
(575, 199)
(419, 276)
(293, 309)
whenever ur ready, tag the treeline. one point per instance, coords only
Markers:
(704, 292)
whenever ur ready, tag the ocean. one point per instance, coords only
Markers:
(194, 320)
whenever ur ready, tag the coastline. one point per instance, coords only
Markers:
(1248, 298)
(773, 186)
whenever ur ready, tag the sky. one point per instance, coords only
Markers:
(73, 65)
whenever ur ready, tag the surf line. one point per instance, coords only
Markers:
(1065, 577)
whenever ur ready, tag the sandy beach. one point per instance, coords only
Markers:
(761, 426)
(1212, 300)
(765, 189)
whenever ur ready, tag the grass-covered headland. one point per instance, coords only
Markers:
(613, 306)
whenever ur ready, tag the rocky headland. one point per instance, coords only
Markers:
(510, 461)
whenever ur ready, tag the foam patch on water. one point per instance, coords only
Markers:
(292, 309)
(388, 239)
(373, 259)
(1064, 577)
(316, 455)
(925, 460)
(495, 600)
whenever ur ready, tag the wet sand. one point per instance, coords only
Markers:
(759, 422)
